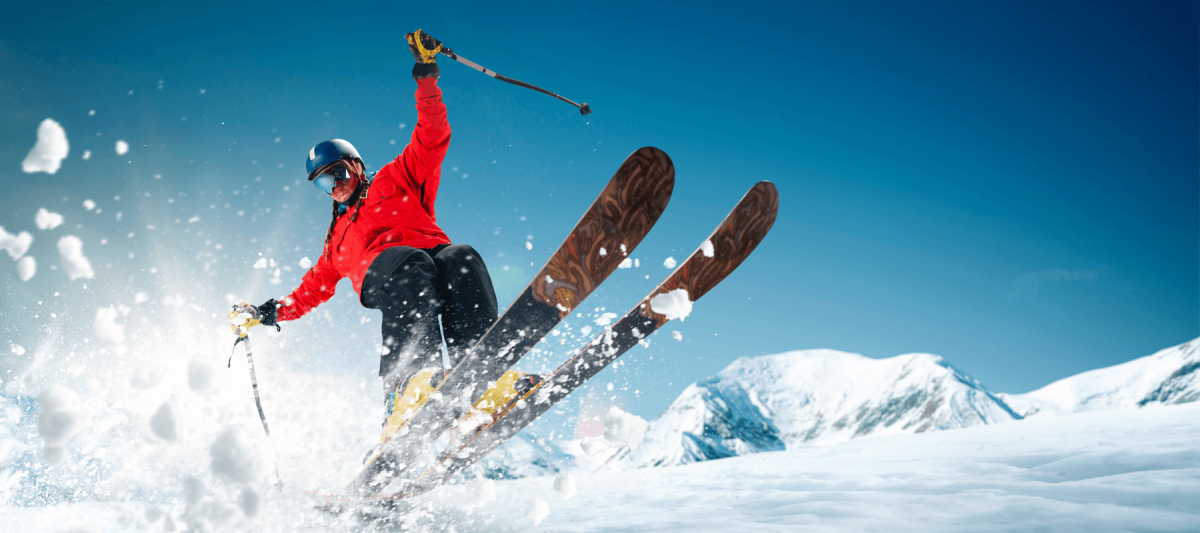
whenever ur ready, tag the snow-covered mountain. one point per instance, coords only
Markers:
(1171, 376)
(814, 396)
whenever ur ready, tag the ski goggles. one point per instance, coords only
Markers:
(332, 177)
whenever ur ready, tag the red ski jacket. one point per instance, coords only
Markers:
(398, 210)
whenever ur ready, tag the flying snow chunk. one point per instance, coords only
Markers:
(122, 147)
(140, 297)
(164, 424)
(59, 419)
(670, 262)
(89, 204)
(538, 510)
(605, 319)
(564, 486)
(17, 349)
(46, 219)
(305, 262)
(15, 245)
(677, 335)
(51, 148)
(261, 263)
(624, 429)
(70, 251)
(706, 247)
(674, 304)
(250, 501)
(106, 325)
(625, 263)
(26, 268)
(87, 154)
(528, 245)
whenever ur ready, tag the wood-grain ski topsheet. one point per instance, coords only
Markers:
(616, 222)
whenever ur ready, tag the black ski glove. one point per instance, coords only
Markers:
(424, 49)
(268, 313)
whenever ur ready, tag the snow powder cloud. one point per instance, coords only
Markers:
(106, 325)
(233, 458)
(26, 268)
(122, 147)
(15, 245)
(674, 304)
(202, 377)
(46, 219)
(58, 421)
(51, 148)
(70, 250)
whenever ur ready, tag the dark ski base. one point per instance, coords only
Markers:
(611, 228)
(732, 242)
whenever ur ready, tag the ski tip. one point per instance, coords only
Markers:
(766, 186)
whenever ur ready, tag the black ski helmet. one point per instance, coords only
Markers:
(326, 153)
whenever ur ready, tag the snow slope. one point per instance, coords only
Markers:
(814, 397)
(1119, 470)
(1170, 376)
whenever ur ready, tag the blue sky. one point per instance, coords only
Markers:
(1010, 185)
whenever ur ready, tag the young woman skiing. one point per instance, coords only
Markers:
(384, 236)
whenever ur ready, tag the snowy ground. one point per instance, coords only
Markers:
(1122, 470)
(1129, 470)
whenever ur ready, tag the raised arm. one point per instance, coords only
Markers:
(422, 158)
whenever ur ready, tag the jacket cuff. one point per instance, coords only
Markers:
(425, 70)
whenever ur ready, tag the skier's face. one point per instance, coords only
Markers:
(345, 187)
(343, 190)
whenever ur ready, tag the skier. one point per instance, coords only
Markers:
(384, 236)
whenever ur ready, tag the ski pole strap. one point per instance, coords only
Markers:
(229, 364)
(583, 108)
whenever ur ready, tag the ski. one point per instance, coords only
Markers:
(732, 242)
(612, 227)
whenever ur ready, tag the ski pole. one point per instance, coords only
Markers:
(244, 337)
(583, 108)
(445, 353)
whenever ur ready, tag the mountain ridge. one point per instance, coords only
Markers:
(823, 396)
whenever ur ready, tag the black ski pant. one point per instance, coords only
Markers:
(412, 286)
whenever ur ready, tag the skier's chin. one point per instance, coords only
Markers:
(342, 194)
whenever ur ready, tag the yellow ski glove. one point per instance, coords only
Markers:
(241, 320)
(423, 46)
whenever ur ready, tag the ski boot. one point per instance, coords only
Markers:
(403, 404)
(495, 402)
